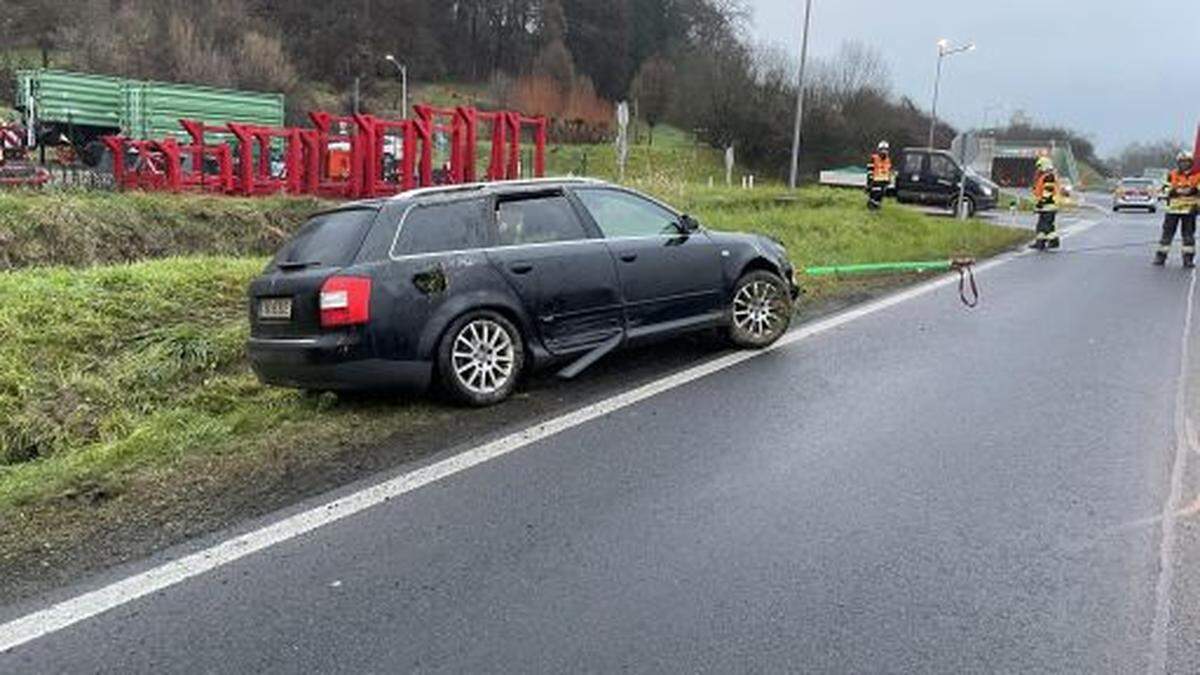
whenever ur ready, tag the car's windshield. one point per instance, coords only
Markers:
(1137, 183)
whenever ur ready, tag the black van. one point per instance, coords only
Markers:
(925, 176)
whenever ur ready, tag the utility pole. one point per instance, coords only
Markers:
(403, 68)
(800, 98)
(357, 79)
(944, 50)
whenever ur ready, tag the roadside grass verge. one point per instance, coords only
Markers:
(115, 370)
(113, 375)
(78, 228)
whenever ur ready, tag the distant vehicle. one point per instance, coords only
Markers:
(925, 176)
(475, 285)
(1136, 193)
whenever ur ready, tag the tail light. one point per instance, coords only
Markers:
(345, 301)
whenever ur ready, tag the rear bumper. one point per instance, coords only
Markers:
(330, 363)
(1135, 203)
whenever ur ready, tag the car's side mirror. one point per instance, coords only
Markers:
(688, 224)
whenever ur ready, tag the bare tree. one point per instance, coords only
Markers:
(1137, 157)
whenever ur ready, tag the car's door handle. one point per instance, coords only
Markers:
(628, 256)
(521, 267)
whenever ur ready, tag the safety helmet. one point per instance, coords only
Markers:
(1184, 157)
(883, 146)
(1045, 164)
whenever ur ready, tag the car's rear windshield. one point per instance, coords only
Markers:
(328, 239)
(1139, 182)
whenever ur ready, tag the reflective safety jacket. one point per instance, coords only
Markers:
(1183, 192)
(1045, 192)
(880, 169)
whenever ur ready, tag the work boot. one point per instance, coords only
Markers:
(1053, 243)
(1189, 260)
(1160, 258)
(1038, 245)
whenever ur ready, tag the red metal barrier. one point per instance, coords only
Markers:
(341, 156)
(201, 151)
(379, 178)
(255, 173)
(334, 159)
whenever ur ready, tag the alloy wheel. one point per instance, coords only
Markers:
(758, 308)
(483, 356)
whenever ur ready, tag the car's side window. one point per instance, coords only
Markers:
(942, 167)
(537, 220)
(912, 163)
(437, 228)
(621, 214)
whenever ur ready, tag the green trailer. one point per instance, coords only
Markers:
(78, 108)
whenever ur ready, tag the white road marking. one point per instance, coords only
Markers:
(1170, 512)
(69, 612)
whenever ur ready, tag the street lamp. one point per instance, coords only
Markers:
(403, 83)
(800, 98)
(944, 50)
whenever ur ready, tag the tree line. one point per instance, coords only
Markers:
(684, 62)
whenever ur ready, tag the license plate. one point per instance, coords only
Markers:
(275, 308)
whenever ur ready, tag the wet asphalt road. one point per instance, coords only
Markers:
(925, 489)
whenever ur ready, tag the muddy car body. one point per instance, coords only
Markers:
(486, 281)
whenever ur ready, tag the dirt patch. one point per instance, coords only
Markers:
(89, 530)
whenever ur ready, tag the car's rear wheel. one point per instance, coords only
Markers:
(761, 310)
(481, 358)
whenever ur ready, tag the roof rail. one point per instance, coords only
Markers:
(469, 187)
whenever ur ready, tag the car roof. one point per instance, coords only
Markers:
(499, 187)
(1137, 179)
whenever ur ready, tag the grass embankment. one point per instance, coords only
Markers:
(118, 376)
(78, 228)
(118, 372)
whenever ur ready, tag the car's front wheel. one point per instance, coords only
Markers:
(481, 358)
(761, 310)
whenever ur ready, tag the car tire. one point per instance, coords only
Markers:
(760, 310)
(970, 206)
(481, 358)
(1116, 209)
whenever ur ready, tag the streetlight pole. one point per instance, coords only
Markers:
(403, 84)
(944, 50)
(800, 98)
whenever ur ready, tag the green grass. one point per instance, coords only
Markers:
(115, 372)
(66, 227)
(674, 157)
(117, 369)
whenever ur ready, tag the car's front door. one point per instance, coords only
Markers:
(668, 278)
(562, 271)
(943, 179)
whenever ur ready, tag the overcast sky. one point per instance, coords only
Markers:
(1117, 71)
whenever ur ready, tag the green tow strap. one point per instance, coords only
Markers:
(964, 267)
(867, 268)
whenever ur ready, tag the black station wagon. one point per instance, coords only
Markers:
(473, 285)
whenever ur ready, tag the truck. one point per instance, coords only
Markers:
(62, 107)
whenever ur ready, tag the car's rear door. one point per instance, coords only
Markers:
(561, 269)
(669, 279)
